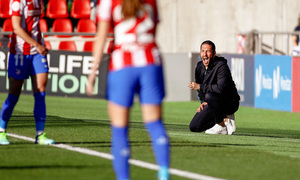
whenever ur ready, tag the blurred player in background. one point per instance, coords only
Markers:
(296, 49)
(135, 67)
(27, 58)
(217, 92)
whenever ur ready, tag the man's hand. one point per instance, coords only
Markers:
(194, 86)
(201, 107)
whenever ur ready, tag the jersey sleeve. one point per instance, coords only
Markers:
(15, 8)
(104, 10)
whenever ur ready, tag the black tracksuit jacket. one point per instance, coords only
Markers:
(216, 79)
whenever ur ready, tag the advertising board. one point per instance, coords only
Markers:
(273, 82)
(242, 71)
(68, 73)
(296, 84)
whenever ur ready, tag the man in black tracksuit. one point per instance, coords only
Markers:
(216, 90)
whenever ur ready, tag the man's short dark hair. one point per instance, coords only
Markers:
(209, 43)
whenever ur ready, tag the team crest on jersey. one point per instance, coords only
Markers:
(18, 71)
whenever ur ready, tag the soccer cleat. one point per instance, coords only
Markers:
(43, 140)
(163, 173)
(217, 129)
(3, 139)
(230, 124)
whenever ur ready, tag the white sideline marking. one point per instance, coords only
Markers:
(135, 162)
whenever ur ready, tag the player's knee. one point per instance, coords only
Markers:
(40, 88)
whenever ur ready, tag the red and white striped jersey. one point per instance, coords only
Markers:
(30, 11)
(134, 38)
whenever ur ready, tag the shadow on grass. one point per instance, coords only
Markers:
(21, 120)
(45, 167)
(272, 133)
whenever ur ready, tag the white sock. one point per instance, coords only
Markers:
(39, 133)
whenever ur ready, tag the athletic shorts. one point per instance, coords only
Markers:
(22, 66)
(146, 81)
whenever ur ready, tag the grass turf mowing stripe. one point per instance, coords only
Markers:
(138, 163)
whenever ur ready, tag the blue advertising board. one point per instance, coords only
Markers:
(242, 70)
(273, 82)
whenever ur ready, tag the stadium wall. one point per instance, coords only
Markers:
(177, 69)
(186, 23)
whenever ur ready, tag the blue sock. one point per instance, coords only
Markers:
(121, 152)
(39, 111)
(7, 109)
(160, 142)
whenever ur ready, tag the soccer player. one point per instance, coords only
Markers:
(135, 67)
(27, 58)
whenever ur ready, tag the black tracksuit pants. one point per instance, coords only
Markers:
(214, 112)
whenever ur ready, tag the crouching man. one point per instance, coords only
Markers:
(217, 93)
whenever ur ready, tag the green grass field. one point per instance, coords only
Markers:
(265, 146)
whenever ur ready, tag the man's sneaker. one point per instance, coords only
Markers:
(43, 140)
(217, 129)
(3, 138)
(163, 173)
(230, 124)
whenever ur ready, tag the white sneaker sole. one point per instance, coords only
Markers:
(216, 129)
